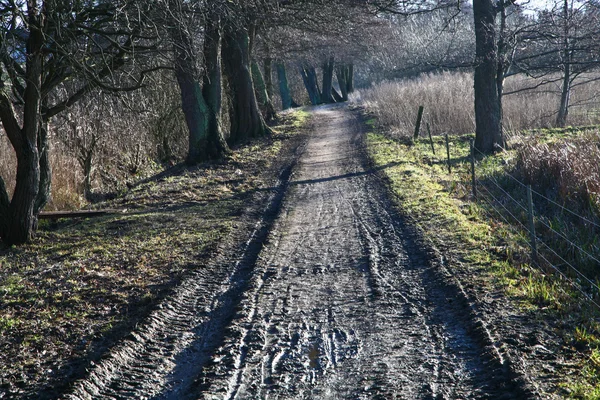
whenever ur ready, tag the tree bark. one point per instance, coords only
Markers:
(212, 87)
(565, 94)
(268, 111)
(195, 109)
(268, 75)
(309, 77)
(341, 74)
(502, 63)
(4, 206)
(193, 105)
(327, 96)
(43, 146)
(245, 117)
(488, 133)
(284, 88)
(21, 219)
(350, 78)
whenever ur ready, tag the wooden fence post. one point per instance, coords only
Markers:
(430, 139)
(448, 153)
(473, 181)
(533, 244)
(418, 125)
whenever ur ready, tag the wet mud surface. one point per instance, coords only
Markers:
(332, 296)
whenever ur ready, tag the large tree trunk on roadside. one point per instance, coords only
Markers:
(284, 88)
(309, 77)
(4, 205)
(260, 87)
(212, 85)
(245, 116)
(201, 106)
(501, 69)
(21, 219)
(340, 72)
(327, 95)
(488, 134)
(195, 109)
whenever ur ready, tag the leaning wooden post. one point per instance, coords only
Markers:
(534, 252)
(430, 139)
(418, 125)
(473, 181)
(448, 153)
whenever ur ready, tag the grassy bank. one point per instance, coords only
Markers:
(83, 284)
(494, 252)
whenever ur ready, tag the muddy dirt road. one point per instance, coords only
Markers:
(341, 302)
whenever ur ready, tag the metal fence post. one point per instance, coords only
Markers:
(534, 252)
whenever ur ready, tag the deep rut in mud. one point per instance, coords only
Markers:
(339, 302)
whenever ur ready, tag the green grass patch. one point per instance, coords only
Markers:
(83, 283)
(442, 204)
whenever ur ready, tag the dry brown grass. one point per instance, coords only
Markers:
(134, 132)
(448, 101)
(569, 167)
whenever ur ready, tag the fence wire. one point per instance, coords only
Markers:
(498, 203)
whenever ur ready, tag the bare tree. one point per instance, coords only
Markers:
(46, 45)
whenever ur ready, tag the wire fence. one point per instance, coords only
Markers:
(551, 247)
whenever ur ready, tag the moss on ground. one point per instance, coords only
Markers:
(442, 205)
(82, 284)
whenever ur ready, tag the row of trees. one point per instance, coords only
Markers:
(55, 53)
(223, 55)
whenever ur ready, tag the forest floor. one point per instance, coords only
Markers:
(319, 286)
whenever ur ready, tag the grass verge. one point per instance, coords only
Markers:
(83, 284)
(493, 255)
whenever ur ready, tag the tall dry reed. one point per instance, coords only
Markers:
(448, 101)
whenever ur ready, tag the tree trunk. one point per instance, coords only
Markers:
(309, 77)
(327, 96)
(195, 109)
(193, 105)
(43, 145)
(4, 205)
(341, 74)
(21, 219)
(500, 71)
(350, 78)
(336, 95)
(245, 117)
(215, 145)
(268, 111)
(565, 94)
(284, 88)
(488, 133)
(268, 75)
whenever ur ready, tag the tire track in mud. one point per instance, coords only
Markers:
(344, 303)
(162, 356)
(334, 297)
